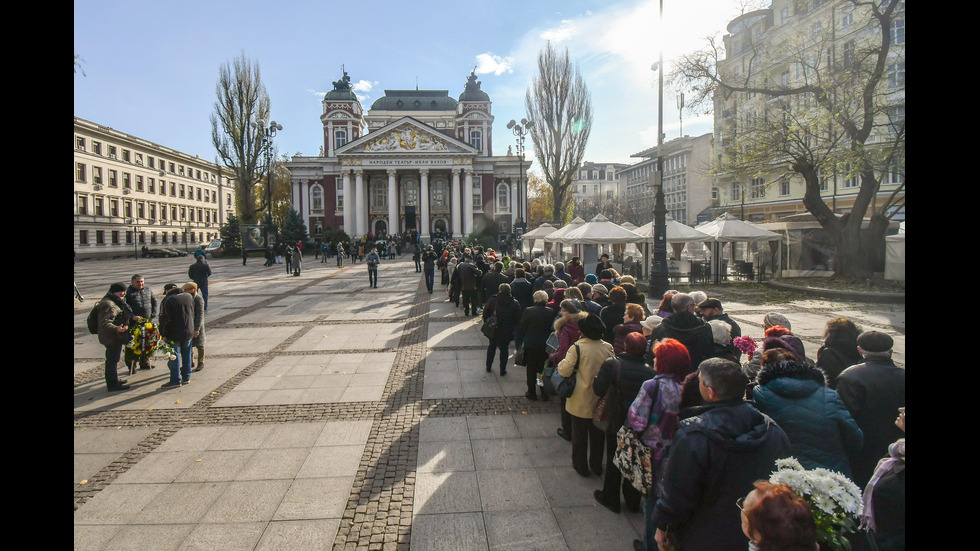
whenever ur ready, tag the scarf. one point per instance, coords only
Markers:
(894, 461)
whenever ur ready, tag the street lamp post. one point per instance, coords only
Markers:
(659, 282)
(267, 134)
(521, 131)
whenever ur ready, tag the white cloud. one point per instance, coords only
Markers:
(489, 63)
(563, 31)
(363, 86)
(316, 93)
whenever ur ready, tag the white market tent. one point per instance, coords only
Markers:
(678, 235)
(599, 231)
(895, 255)
(538, 234)
(729, 229)
(555, 237)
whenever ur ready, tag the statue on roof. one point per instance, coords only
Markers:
(342, 85)
(472, 85)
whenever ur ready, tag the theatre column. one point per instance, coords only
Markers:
(392, 202)
(468, 203)
(348, 204)
(457, 196)
(424, 203)
(513, 202)
(361, 214)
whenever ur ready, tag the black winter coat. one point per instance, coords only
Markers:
(693, 333)
(720, 450)
(508, 316)
(535, 326)
(873, 391)
(632, 374)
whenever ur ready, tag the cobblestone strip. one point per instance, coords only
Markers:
(378, 515)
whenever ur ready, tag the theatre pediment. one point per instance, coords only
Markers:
(406, 136)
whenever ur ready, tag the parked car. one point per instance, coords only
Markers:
(157, 253)
(213, 247)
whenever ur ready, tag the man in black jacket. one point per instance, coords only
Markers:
(873, 391)
(686, 327)
(719, 451)
(711, 309)
(199, 272)
(177, 326)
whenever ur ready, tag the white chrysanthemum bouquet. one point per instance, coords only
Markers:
(833, 498)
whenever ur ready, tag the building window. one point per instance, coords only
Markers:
(180, 169)
(848, 58)
(139, 183)
(153, 211)
(898, 31)
(115, 237)
(79, 143)
(379, 195)
(127, 181)
(96, 174)
(173, 189)
(850, 180)
(99, 237)
(339, 138)
(736, 192)
(83, 237)
(112, 152)
(151, 162)
(503, 197)
(410, 192)
(847, 19)
(98, 202)
(141, 209)
(153, 238)
(476, 139)
(97, 148)
(894, 175)
(198, 194)
(784, 188)
(439, 194)
(896, 75)
(113, 179)
(171, 168)
(113, 207)
(758, 188)
(183, 213)
(128, 208)
(80, 172)
(182, 189)
(139, 159)
(82, 204)
(126, 155)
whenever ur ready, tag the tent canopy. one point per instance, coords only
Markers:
(729, 228)
(676, 232)
(600, 231)
(555, 236)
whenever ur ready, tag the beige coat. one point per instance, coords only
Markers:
(594, 353)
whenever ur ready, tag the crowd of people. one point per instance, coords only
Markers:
(716, 407)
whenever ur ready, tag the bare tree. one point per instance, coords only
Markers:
(560, 108)
(241, 99)
(811, 105)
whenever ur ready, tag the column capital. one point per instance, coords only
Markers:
(469, 171)
(391, 171)
(456, 171)
(357, 171)
(423, 172)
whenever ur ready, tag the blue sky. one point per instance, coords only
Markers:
(150, 67)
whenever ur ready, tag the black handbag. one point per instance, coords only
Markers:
(489, 327)
(520, 356)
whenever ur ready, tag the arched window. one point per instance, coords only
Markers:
(476, 139)
(503, 197)
(440, 194)
(410, 192)
(316, 199)
(339, 138)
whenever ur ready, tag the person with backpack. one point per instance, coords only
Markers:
(110, 320)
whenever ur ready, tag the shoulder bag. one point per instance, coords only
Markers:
(565, 386)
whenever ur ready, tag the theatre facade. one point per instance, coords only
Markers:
(417, 160)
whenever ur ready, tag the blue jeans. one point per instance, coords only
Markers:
(112, 355)
(651, 527)
(430, 279)
(180, 367)
(204, 294)
(373, 277)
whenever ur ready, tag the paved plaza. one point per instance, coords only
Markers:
(331, 415)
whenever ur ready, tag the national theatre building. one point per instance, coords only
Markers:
(417, 160)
